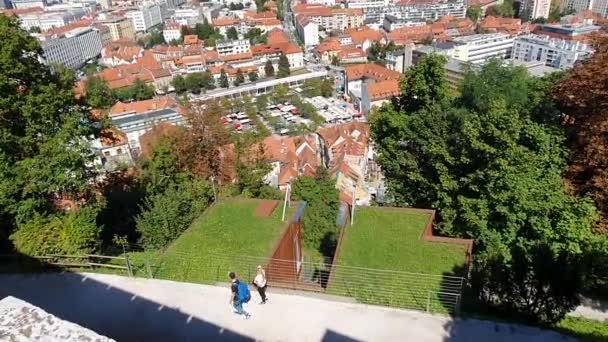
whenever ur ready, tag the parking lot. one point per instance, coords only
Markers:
(334, 111)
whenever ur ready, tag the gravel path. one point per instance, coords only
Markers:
(128, 309)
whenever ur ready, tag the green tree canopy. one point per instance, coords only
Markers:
(179, 84)
(474, 12)
(98, 93)
(44, 153)
(223, 79)
(283, 67)
(493, 173)
(240, 78)
(253, 76)
(231, 33)
(269, 68)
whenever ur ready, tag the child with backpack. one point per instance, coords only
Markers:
(239, 295)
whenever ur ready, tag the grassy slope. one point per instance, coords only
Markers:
(216, 242)
(390, 240)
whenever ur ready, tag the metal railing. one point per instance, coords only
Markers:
(392, 288)
(426, 292)
(88, 261)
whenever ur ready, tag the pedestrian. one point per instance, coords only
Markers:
(260, 282)
(239, 295)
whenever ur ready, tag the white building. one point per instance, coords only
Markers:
(307, 30)
(557, 53)
(328, 3)
(596, 6)
(230, 47)
(536, 8)
(172, 31)
(416, 10)
(105, 4)
(392, 22)
(19, 4)
(367, 3)
(49, 20)
(73, 48)
(478, 48)
(146, 17)
(187, 16)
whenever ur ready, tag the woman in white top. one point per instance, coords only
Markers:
(260, 282)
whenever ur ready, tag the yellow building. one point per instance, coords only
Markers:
(120, 27)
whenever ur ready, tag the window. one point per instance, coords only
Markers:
(119, 151)
(106, 153)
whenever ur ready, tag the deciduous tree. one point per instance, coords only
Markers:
(269, 68)
(98, 93)
(283, 67)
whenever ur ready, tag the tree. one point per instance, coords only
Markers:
(74, 233)
(166, 215)
(335, 60)
(207, 80)
(152, 39)
(240, 78)
(280, 93)
(193, 82)
(253, 76)
(269, 68)
(260, 6)
(45, 151)
(283, 67)
(179, 84)
(138, 91)
(231, 33)
(223, 79)
(327, 87)
(505, 9)
(586, 115)
(493, 172)
(319, 229)
(474, 13)
(98, 93)
(256, 36)
(261, 102)
(35, 29)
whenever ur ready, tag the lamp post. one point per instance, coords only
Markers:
(287, 195)
(352, 207)
(213, 186)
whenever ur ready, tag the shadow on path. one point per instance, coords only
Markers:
(122, 316)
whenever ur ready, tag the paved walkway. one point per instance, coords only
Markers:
(128, 309)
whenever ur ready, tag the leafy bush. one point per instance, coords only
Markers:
(72, 233)
(167, 214)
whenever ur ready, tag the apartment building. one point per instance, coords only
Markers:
(478, 48)
(392, 22)
(416, 10)
(21, 4)
(536, 8)
(48, 20)
(308, 31)
(72, 48)
(172, 31)
(367, 3)
(557, 53)
(579, 31)
(187, 16)
(400, 60)
(330, 19)
(136, 118)
(146, 17)
(230, 47)
(599, 7)
(105, 4)
(120, 27)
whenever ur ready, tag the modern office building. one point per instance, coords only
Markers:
(20, 4)
(120, 27)
(478, 48)
(416, 10)
(146, 17)
(557, 53)
(72, 48)
(230, 47)
(536, 8)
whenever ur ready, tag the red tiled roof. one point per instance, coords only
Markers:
(237, 57)
(382, 90)
(226, 21)
(70, 26)
(361, 34)
(277, 36)
(142, 106)
(373, 71)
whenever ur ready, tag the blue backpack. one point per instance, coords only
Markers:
(243, 292)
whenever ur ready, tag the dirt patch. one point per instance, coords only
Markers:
(265, 208)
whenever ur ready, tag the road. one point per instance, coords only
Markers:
(131, 309)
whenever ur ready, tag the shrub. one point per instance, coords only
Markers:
(167, 214)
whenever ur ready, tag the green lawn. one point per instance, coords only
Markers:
(389, 239)
(227, 237)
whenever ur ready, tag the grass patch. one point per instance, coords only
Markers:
(584, 328)
(218, 242)
(390, 240)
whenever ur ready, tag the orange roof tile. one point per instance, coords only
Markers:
(382, 90)
(191, 39)
(226, 21)
(351, 52)
(237, 57)
(361, 34)
(373, 71)
(277, 36)
(142, 106)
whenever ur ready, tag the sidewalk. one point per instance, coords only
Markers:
(158, 310)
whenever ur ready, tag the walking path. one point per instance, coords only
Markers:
(131, 309)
